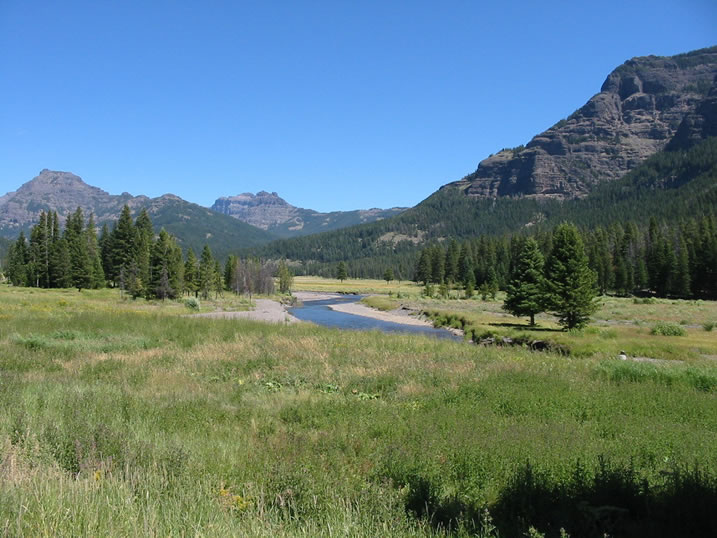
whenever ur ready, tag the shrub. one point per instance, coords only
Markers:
(192, 303)
(708, 325)
(663, 328)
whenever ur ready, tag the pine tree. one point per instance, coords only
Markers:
(525, 292)
(570, 284)
(423, 267)
(341, 273)
(680, 281)
(388, 275)
(286, 279)
(451, 262)
(159, 267)
(229, 271)
(465, 265)
(97, 276)
(122, 244)
(105, 245)
(61, 264)
(218, 283)
(191, 273)
(144, 236)
(206, 272)
(40, 246)
(438, 265)
(17, 261)
(80, 264)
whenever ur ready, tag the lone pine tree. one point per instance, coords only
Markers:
(525, 292)
(570, 286)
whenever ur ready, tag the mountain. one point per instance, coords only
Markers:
(637, 112)
(270, 212)
(63, 192)
(670, 176)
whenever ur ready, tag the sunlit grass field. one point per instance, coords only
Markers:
(127, 418)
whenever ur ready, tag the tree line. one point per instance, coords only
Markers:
(671, 186)
(130, 257)
(628, 259)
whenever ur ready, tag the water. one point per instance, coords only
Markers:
(318, 312)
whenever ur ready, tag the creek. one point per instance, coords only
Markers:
(320, 313)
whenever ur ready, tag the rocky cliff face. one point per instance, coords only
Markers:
(638, 111)
(263, 209)
(270, 212)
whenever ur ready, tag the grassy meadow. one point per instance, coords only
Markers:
(127, 418)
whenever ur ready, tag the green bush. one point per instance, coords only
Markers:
(192, 303)
(663, 328)
(708, 325)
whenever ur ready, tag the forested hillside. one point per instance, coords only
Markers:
(670, 186)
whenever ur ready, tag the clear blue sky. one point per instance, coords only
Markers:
(333, 104)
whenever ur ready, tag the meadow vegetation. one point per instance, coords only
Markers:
(124, 417)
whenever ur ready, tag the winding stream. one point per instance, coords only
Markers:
(319, 312)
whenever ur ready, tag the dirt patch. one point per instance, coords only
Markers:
(266, 310)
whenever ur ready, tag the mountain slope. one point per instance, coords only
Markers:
(636, 113)
(270, 212)
(670, 184)
(63, 192)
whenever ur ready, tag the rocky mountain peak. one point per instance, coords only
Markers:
(637, 112)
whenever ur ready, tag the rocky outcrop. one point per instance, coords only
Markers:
(263, 209)
(56, 191)
(636, 114)
(270, 212)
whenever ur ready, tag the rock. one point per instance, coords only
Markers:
(637, 112)
(270, 212)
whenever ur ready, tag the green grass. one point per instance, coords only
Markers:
(127, 418)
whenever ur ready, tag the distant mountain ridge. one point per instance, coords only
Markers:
(193, 225)
(270, 212)
(639, 108)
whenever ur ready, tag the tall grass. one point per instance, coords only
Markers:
(121, 418)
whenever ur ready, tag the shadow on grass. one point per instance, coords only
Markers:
(522, 327)
(607, 500)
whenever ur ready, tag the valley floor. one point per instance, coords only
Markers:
(121, 417)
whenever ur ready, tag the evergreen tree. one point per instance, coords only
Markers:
(341, 273)
(388, 275)
(162, 265)
(17, 261)
(525, 292)
(229, 272)
(451, 262)
(163, 290)
(465, 265)
(61, 273)
(423, 267)
(438, 265)
(122, 244)
(131, 280)
(97, 276)
(286, 279)
(144, 236)
(570, 284)
(80, 264)
(105, 245)
(39, 251)
(206, 272)
(191, 273)
(680, 281)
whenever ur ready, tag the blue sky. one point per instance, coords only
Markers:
(333, 104)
